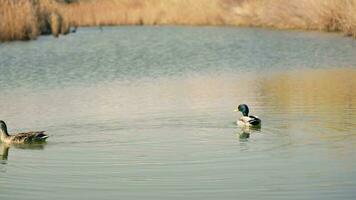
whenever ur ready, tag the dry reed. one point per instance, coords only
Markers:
(149, 12)
(26, 19)
(17, 20)
(326, 15)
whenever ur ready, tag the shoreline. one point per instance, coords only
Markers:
(26, 20)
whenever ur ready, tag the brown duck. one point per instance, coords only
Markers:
(21, 138)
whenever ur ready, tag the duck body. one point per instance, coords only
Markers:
(21, 138)
(247, 120)
(28, 137)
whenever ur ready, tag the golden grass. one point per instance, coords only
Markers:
(17, 20)
(26, 19)
(149, 12)
(326, 15)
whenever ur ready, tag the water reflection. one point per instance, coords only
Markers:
(4, 152)
(317, 101)
(244, 133)
(243, 136)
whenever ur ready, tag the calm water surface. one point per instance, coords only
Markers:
(146, 113)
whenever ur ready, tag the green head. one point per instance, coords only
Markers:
(243, 108)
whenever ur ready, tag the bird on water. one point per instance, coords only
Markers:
(21, 138)
(247, 120)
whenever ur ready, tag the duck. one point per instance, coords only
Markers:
(247, 121)
(21, 138)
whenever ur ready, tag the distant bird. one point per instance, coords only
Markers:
(21, 138)
(74, 30)
(246, 120)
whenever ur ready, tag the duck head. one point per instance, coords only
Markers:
(243, 108)
(3, 128)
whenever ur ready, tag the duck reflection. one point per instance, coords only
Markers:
(4, 154)
(4, 151)
(244, 133)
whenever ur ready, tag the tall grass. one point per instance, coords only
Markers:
(326, 15)
(149, 12)
(17, 20)
(26, 19)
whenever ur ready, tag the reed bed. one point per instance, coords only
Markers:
(17, 20)
(325, 15)
(149, 12)
(26, 19)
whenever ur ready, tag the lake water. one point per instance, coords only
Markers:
(147, 113)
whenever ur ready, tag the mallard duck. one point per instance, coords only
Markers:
(21, 138)
(246, 120)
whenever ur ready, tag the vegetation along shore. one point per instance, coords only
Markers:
(27, 19)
